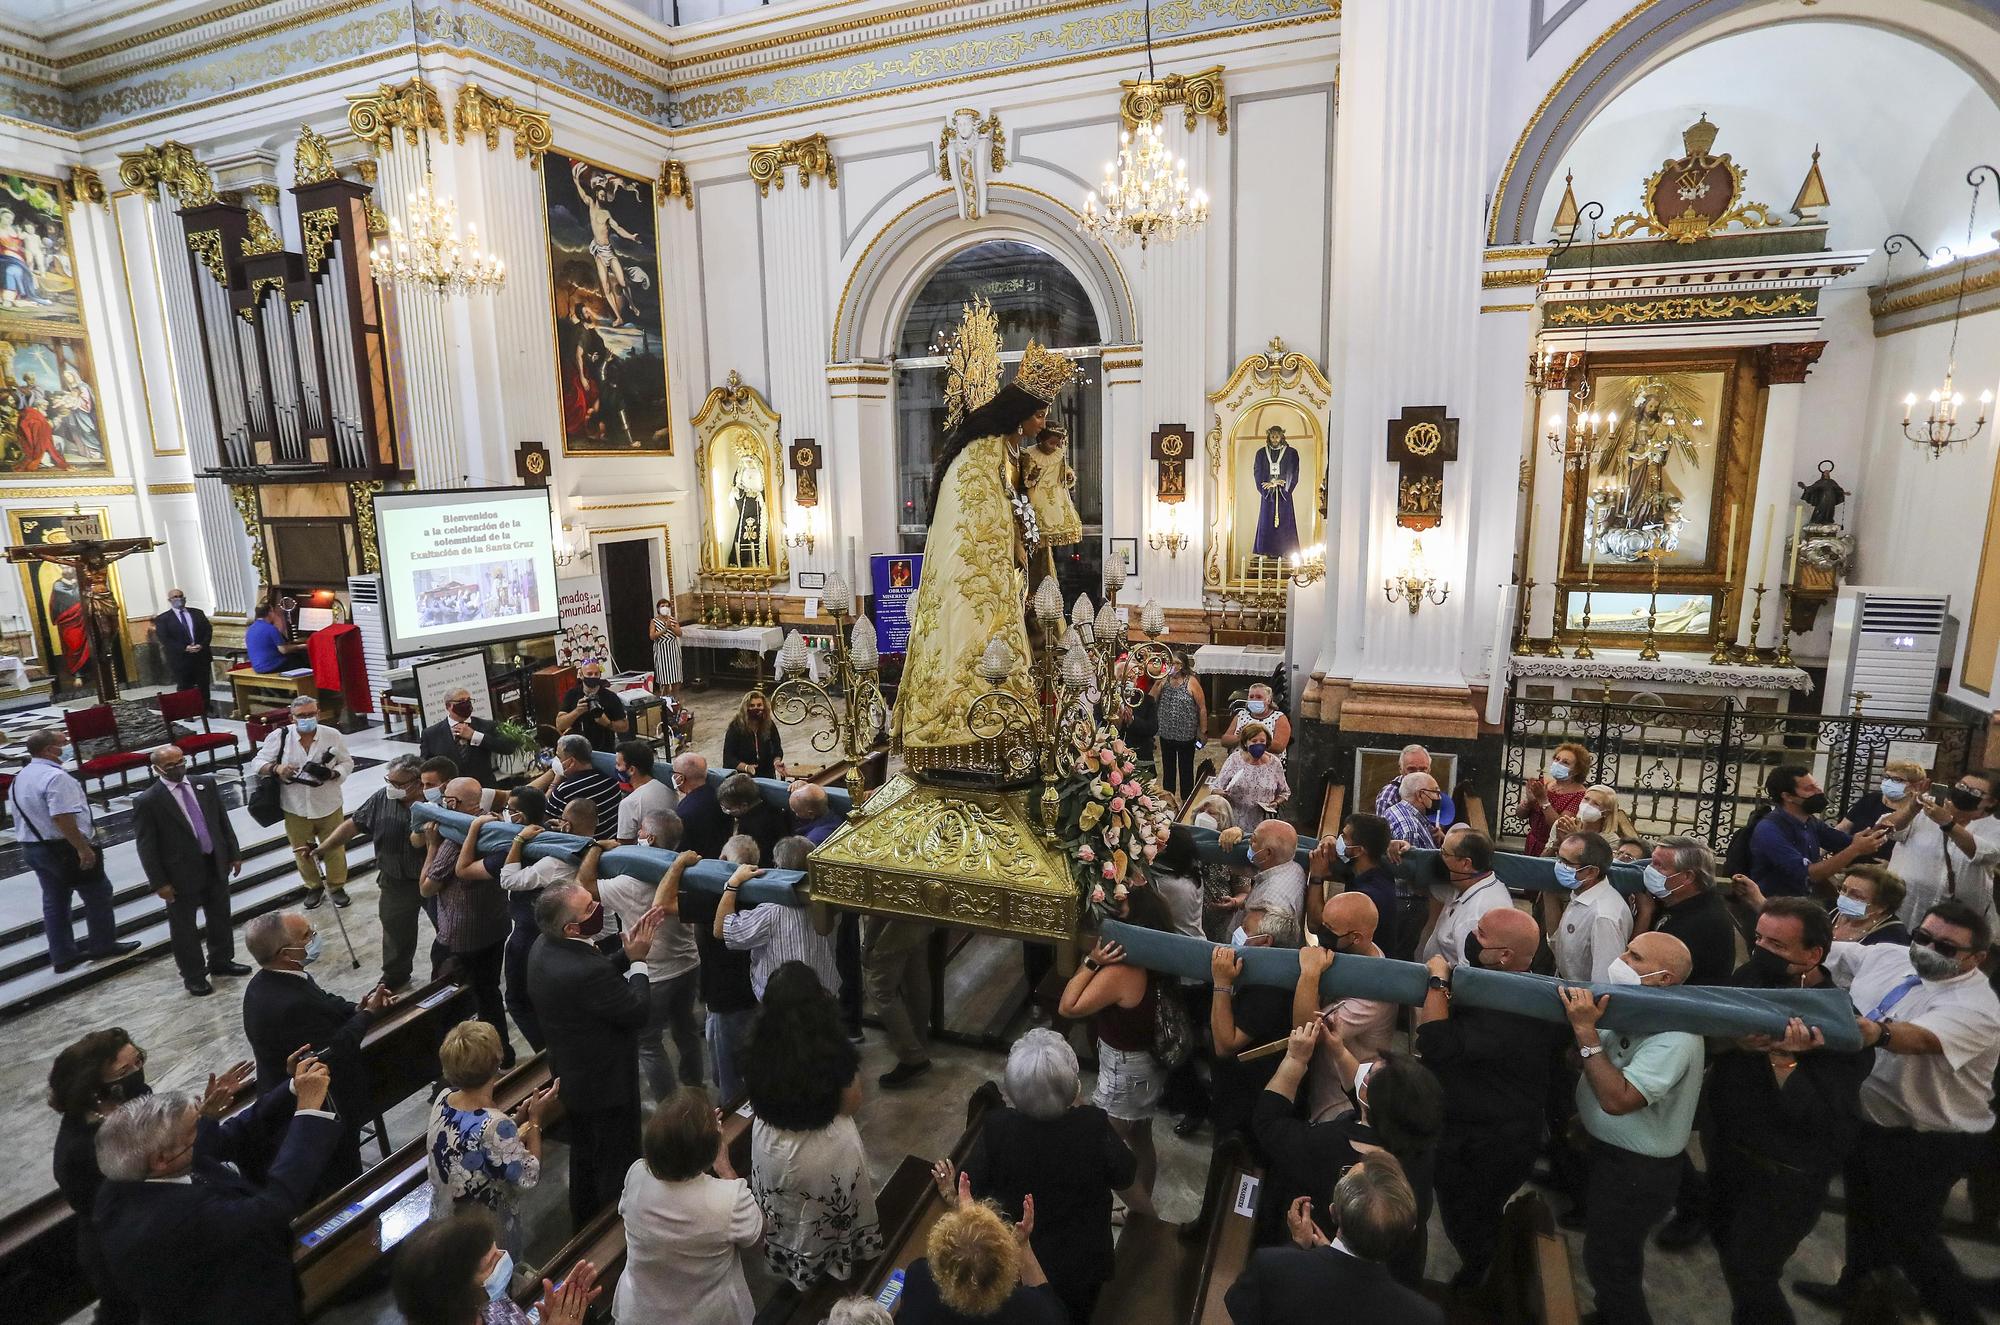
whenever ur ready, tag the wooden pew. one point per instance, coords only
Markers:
(1162, 1270)
(39, 1270)
(1234, 1185)
(602, 1243)
(1531, 1281)
(342, 1240)
(907, 1206)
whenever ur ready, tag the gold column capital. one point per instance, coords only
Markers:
(412, 106)
(1197, 95)
(811, 155)
(480, 112)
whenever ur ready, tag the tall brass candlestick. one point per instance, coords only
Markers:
(1722, 656)
(1650, 650)
(1521, 647)
(1751, 655)
(1583, 649)
(1783, 657)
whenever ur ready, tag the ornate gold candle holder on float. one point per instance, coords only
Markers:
(857, 720)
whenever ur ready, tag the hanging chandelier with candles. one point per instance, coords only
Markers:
(1145, 195)
(430, 257)
(1939, 430)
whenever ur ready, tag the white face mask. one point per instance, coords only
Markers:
(1893, 789)
(1340, 846)
(1588, 813)
(1361, 1074)
(1559, 771)
(1621, 973)
(1205, 821)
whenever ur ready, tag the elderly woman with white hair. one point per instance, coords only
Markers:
(1048, 1144)
(310, 762)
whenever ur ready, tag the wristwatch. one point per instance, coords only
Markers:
(1439, 983)
(1589, 1050)
(1092, 964)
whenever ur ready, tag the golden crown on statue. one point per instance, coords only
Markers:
(1042, 374)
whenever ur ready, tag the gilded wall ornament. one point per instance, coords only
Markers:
(172, 164)
(363, 494)
(207, 245)
(810, 156)
(1197, 95)
(971, 148)
(1693, 196)
(84, 185)
(374, 117)
(1683, 308)
(674, 184)
(319, 227)
(261, 238)
(480, 112)
(244, 496)
(312, 159)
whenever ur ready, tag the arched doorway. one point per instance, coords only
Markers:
(1035, 297)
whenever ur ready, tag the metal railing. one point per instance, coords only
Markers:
(1699, 772)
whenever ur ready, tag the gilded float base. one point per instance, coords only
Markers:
(973, 859)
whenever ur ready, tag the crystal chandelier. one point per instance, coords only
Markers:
(432, 258)
(1145, 194)
(1940, 430)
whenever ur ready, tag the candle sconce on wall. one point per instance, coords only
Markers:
(1167, 535)
(1414, 584)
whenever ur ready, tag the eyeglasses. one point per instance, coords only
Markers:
(1923, 938)
(404, 785)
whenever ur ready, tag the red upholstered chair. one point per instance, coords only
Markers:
(96, 724)
(191, 705)
(259, 726)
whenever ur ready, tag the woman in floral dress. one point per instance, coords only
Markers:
(478, 1155)
(1252, 779)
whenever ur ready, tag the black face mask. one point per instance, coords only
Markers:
(1814, 804)
(1965, 798)
(592, 682)
(174, 772)
(128, 1087)
(1473, 950)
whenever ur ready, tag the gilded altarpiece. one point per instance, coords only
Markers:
(1266, 467)
(737, 460)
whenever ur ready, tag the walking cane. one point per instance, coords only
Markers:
(341, 920)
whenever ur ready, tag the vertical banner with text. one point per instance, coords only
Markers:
(586, 632)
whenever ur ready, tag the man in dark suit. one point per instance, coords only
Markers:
(704, 827)
(467, 741)
(183, 1231)
(592, 1008)
(189, 851)
(184, 634)
(285, 1010)
(1376, 1212)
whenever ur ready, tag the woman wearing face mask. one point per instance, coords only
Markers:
(1183, 715)
(1398, 1108)
(453, 1272)
(1867, 906)
(752, 744)
(89, 1079)
(1220, 899)
(1252, 779)
(310, 762)
(665, 632)
(1900, 780)
(1550, 803)
(479, 1156)
(1259, 709)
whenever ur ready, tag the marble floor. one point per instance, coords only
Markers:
(188, 1038)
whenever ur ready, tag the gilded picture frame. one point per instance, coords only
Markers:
(609, 325)
(42, 590)
(1277, 401)
(739, 473)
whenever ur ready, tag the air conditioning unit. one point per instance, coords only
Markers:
(1887, 644)
(364, 596)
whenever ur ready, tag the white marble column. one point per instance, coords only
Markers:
(429, 376)
(1772, 511)
(1545, 514)
(1407, 249)
(798, 233)
(858, 496)
(1126, 498)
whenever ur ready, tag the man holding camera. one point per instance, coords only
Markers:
(591, 710)
(1947, 843)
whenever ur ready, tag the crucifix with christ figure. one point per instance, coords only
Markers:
(82, 547)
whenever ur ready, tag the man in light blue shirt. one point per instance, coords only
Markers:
(1636, 1099)
(52, 820)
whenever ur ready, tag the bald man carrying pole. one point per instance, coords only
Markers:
(1495, 1068)
(1636, 1099)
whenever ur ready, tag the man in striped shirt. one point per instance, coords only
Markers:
(774, 934)
(575, 776)
(1414, 759)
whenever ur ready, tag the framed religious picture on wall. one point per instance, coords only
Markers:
(1650, 517)
(51, 421)
(1267, 469)
(738, 457)
(604, 270)
(56, 602)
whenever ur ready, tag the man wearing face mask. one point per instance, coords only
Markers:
(1636, 1099)
(1782, 1117)
(183, 1231)
(644, 794)
(188, 851)
(576, 776)
(673, 966)
(184, 633)
(592, 1009)
(1495, 1068)
(1467, 860)
(1356, 853)
(1926, 1105)
(285, 1010)
(472, 919)
(1279, 882)
(1597, 922)
(1680, 877)
(1413, 759)
(1364, 1025)
(466, 739)
(1947, 843)
(1791, 847)
(384, 818)
(590, 710)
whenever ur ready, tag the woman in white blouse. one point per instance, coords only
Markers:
(310, 762)
(685, 1227)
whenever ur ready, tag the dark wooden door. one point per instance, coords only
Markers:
(626, 570)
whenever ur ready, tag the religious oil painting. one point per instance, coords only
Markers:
(1653, 476)
(56, 601)
(1272, 469)
(51, 420)
(604, 266)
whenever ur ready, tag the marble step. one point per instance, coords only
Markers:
(269, 881)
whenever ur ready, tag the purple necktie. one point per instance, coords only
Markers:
(195, 818)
